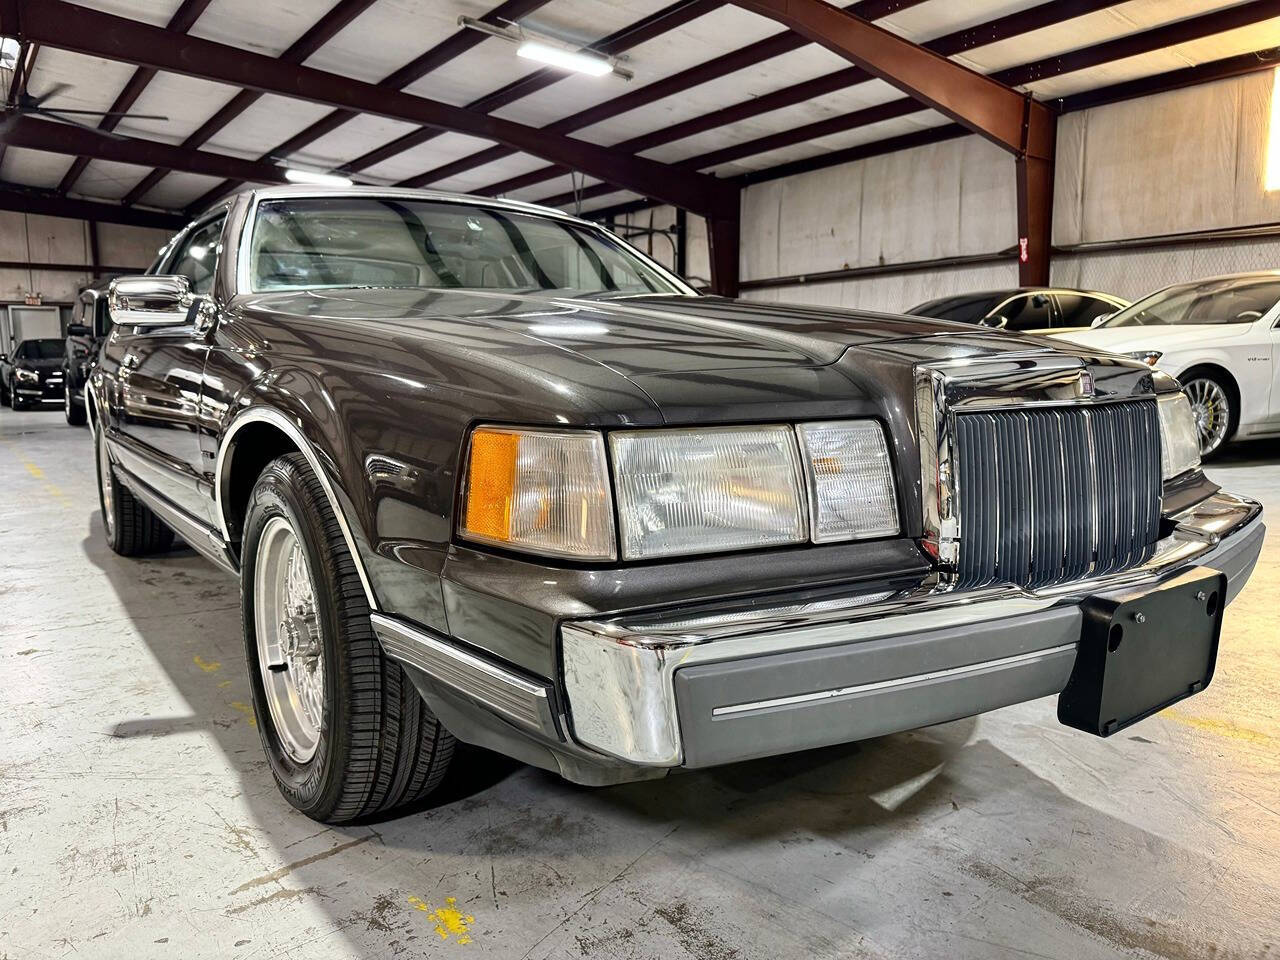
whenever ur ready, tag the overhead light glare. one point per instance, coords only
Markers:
(564, 59)
(316, 178)
(9, 50)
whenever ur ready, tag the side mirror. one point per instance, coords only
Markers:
(1100, 319)
(78, 330)
(998, 322)
(150, 301)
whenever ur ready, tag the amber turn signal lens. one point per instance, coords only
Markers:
(491, 482)
(539, 491)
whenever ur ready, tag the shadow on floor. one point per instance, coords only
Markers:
(922, 843)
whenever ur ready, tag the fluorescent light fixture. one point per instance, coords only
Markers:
(316, 178)
(564, 59)
(1273, 138)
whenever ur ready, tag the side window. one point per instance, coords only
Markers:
(1080, 311)
(1030, 312)
(196, 257)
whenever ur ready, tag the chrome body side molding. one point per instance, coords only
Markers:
(203, 539)
(520, 700)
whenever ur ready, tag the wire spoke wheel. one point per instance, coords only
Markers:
(1212, 410)
(290, 651)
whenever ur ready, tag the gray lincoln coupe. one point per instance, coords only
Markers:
(486, 472)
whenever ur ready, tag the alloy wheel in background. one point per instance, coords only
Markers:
(1211, 407)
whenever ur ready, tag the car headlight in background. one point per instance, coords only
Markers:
(1149, 357)
(851, 493)
(540, 491)
(26, 376)
(707, 490)
(1179, 437)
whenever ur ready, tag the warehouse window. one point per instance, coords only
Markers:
(1273, 138)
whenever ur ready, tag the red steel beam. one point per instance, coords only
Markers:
(320, 33)
(31, 200)
(34, 133)
(993, 31)
(182, 21)
(454, 46)
(981, 103)
(669, 18)
(748, 56)
(1172, 80)
(81, 30)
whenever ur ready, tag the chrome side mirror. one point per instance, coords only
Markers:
(998, 322)
(1100, 319)
(150, 301)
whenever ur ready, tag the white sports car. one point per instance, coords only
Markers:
(1220, 338)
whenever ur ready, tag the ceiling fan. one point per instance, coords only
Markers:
(27, 104)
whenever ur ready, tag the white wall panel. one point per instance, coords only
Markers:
(1135, 273)
(894, 293)
(1175, 162)
(942, 200)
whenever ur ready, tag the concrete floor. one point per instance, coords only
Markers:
(138, 819)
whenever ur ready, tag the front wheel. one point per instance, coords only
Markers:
(1212, 404)
(345, 732)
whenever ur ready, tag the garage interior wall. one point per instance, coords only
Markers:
(949, 199)
(1186, 161)
(34, 239)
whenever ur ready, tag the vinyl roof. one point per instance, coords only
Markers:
(704, 56)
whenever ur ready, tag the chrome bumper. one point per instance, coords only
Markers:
(756, 681)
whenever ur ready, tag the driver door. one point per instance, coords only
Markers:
(159, 371)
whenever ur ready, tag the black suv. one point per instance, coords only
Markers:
(90, 324)
(33, 375)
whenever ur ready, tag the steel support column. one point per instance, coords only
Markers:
(1035, 220)
(724, 234)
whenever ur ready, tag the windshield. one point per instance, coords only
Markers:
(405, 242)
(1217, 301)
(41, 349)
(962, 309)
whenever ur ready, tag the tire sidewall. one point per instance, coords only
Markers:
(313, 787)
(111, 531)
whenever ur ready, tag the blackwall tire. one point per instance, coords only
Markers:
(75, 415)
(131, 529)
(373, 745)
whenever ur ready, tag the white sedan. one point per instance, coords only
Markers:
(1219, 338)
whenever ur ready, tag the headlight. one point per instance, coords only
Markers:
(542, 491)
(851, 492)
(1149, 357)
(1179, 438)
(707, 490)
(27, 376)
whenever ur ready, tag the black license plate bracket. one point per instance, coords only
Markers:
(1143, 650)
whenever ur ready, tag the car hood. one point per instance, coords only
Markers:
(1165, 337)
(644, 337)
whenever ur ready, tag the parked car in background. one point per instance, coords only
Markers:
(33, 374)
(1218, 337)
(1025, 310)
(485, 471)
(90, 324)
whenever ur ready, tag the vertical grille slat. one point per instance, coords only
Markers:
(1050, 495)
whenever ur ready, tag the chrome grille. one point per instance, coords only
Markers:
(1054, 494)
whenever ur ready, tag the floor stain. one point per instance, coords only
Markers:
(449, 920)
(208, 666)
(290, 867)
